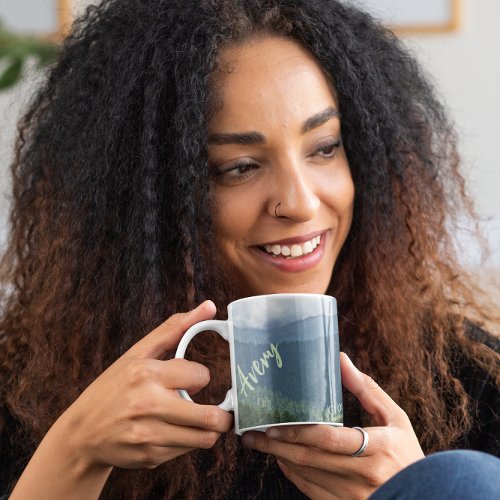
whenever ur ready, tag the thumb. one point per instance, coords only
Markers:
(166, 336)
(376, 402)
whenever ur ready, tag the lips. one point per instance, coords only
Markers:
(296, 239)
(291, 251)
(275, 253)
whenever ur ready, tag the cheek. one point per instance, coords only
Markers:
(346, 195)
(338, 192)
(232, 217)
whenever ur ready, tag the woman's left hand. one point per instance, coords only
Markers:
(317, 458)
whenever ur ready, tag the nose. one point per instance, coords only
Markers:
(296, 193)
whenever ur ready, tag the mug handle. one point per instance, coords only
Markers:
(221, 327)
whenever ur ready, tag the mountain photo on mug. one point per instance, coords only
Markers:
(287, 363)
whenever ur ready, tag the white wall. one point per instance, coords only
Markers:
(465, 67)
(11, 104)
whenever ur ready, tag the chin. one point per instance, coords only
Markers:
(247, 286)
(298, 288)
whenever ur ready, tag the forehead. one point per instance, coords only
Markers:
(269, 77)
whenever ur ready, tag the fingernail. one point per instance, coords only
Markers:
(281, 464)
(209, 302)
(204, 304)
(248, 439)
(274, 433)
(350, 361)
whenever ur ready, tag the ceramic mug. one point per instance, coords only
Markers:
(284, 353)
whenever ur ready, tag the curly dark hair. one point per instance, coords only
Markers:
(111, 226)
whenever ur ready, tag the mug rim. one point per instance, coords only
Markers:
(264, 427)
(281, 296)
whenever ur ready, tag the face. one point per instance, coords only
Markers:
(281, 184)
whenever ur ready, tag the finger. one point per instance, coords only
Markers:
(154, 432)
(309, 488)
(166, 336)
(180, 373)
(377, 403)
(295, 453)
(151, 444)
(137, 457)
(333, 439)
(208, 417)
(172, 374)
(311, 456)
(152, 391)
(162, 453)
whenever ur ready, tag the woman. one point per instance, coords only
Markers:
(177, 153)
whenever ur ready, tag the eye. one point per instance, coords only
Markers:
(235, 173)
(329, 149)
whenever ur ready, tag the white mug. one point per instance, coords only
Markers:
(284, 353)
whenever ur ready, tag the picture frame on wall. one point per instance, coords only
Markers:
(410, 17)
(47, 19)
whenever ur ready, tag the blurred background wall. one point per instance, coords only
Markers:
(464, 65)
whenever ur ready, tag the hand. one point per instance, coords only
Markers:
(317, 458)
(131, 416)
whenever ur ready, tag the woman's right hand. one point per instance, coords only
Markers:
(131, 416)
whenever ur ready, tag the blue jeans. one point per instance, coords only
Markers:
(456, 475)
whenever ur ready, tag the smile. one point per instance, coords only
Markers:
(294, 250)
(295, 254)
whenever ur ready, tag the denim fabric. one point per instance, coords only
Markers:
(456, 475)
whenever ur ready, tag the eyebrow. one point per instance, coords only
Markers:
(237, 138)
(257, 138)
(319, 118)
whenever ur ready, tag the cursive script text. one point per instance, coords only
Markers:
(259, 367)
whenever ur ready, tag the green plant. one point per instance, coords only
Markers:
(16, 49)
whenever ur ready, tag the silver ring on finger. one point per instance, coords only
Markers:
(364, 444)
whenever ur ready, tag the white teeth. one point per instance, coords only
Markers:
(294, 250)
